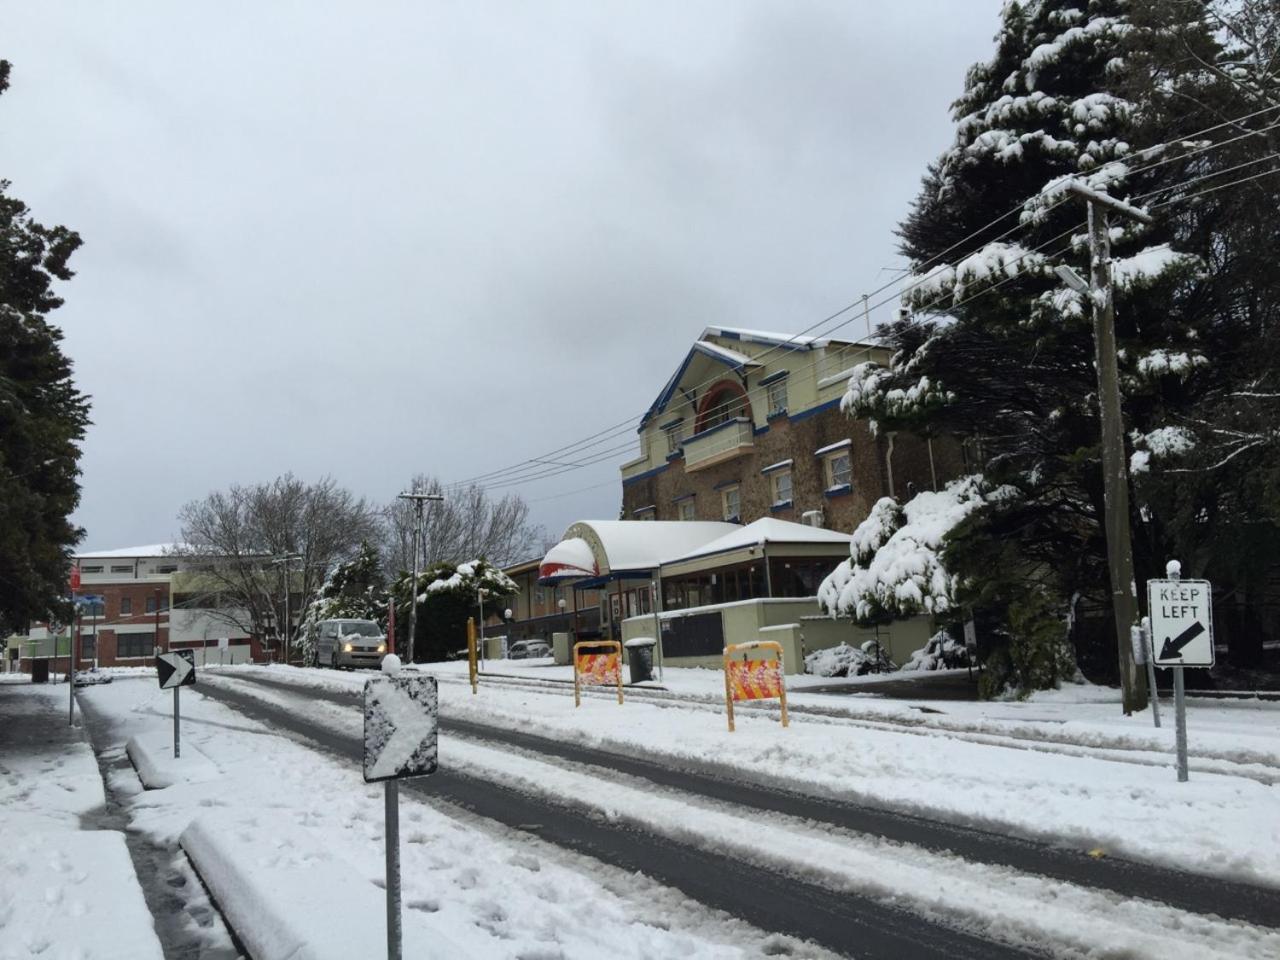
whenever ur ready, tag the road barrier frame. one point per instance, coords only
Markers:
(616, 646)
(729, 662)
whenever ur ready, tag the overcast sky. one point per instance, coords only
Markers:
(372, 239)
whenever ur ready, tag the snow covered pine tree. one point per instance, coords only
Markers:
(1000, 352)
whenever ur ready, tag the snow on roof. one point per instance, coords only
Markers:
(733, 356)
(763, 531)
(571, 558)
(150, 550)
(634, 545)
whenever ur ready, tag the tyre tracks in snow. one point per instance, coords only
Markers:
(1193, 893)
(767, 898)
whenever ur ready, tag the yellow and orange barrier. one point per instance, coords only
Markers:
(754, 679)
(596, 669)
(472, 670)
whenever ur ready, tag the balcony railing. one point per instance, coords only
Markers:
(722, 442)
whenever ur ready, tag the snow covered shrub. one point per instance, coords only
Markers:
(942, 652)
(847, 661)
(447, 595)
(895, 569)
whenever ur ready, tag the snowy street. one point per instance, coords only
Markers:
(854, 871)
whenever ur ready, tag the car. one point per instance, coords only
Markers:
(349, 643)
(528, 650)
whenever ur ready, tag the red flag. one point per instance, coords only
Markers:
(75, 577)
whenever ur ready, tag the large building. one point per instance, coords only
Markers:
(749, 426)
(141, 601)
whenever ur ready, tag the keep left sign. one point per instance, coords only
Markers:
(400, 727)
(1181, 622)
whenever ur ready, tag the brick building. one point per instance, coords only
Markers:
(142, 608)
(750, 426)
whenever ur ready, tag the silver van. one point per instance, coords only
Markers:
(349, 643)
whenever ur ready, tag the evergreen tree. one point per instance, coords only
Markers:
(448, 594)
(355, 590)
(1000, 352)
(42, 416)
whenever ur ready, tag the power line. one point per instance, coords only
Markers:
(510, 475)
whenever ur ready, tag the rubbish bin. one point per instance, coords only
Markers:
(640, 658)
(39, 671)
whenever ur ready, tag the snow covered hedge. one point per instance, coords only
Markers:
(942, 652)
(894, 569)
(846, 661)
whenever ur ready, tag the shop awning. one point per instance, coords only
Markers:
(570, 559)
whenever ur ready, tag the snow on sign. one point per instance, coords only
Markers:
(1181, 622)
(176, 669)
(399, 727)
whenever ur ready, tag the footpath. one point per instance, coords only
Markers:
(63, 881)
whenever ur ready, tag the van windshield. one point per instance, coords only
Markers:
(360, 630)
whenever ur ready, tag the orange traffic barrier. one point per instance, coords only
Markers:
(472, 669)
(754, 679)
(596, 669)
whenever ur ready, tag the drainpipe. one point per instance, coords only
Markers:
(768, 577)
(888, 462)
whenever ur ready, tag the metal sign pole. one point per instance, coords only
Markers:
(177, 747)
(392, 802)
(1180, 722)
(1149, 654)
(71, 670)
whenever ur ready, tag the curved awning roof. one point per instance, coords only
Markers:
(569, 559)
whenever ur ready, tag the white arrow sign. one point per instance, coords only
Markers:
(399, 727)
(176, 669)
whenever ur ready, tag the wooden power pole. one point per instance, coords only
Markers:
(1115, 474)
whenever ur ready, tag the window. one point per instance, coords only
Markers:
(839, 470)
(135, 645)
(724, 401)
(87, 646)
(122, 568)
(731, 502)
(126, 606)
(675, 434)
(781, 482)
(94, 569)
(646, 513)
(685, 509)
(777, 396)
(151, 604)
(167, 568)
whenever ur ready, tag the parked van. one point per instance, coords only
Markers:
(349, 643)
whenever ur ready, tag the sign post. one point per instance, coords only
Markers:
(400, 730)
(1182, 633)
(176, 669)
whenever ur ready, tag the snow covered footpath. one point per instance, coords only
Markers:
(278, 808)
(1123, 800)
(61, 885)
(996, 902)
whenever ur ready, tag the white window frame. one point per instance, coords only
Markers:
(776, 396)
(675, 436)
(775, 483)
(829, 468)
(685, 509)
(736, 491)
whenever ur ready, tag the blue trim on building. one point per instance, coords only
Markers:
(755, 338)
(627, 481)
(775, 377)
(683, 496)
(804, 414)
(776, 467)
(756, 431)
(665, 396)
(726, 483)
(784, 505)
(843, 490)
(670, 423)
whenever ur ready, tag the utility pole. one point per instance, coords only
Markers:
(287, 624)
(418, 500)
(1115, 476)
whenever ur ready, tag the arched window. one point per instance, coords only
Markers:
(723, 401)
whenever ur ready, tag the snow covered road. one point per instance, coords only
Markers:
(1011, 905)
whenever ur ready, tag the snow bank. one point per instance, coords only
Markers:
(61, 891)
(288, 898)
(940, 653)
(152, 756)
(843, 660)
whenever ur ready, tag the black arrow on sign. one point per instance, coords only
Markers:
(1173, 647)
